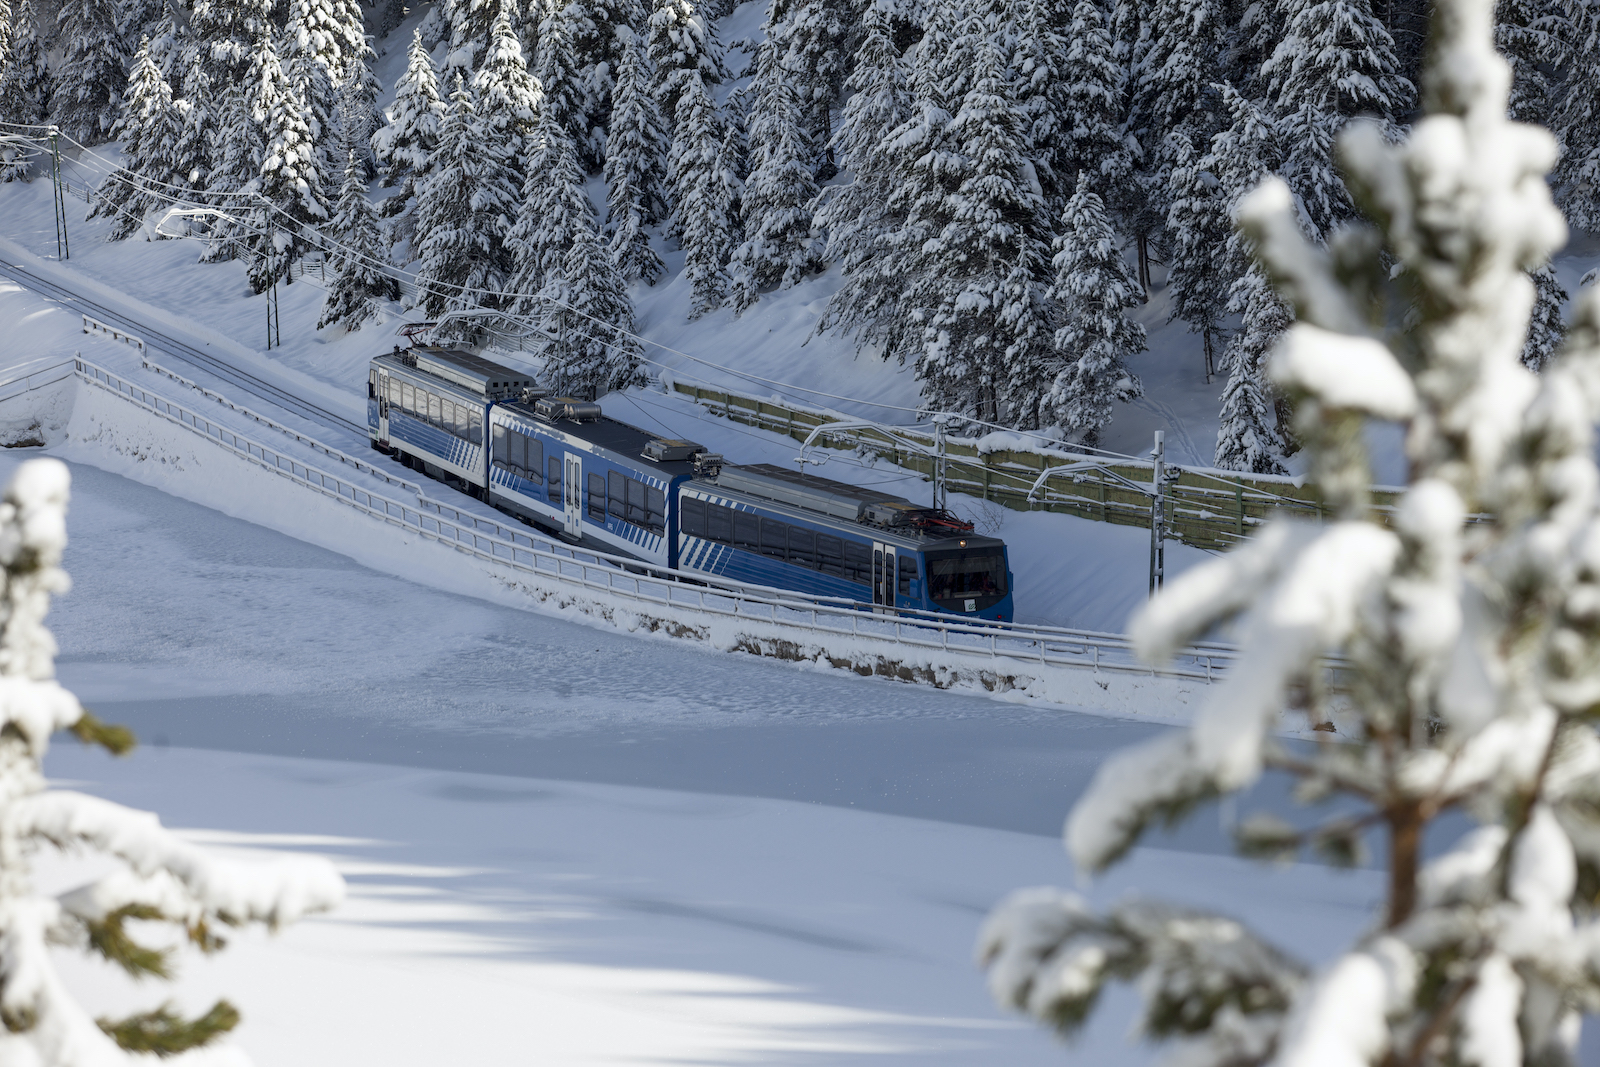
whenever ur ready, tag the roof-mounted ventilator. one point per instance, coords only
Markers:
(671, 450)
(566, 407)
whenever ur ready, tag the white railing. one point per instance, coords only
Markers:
(34, 374)
(632, 580)
(93, 325)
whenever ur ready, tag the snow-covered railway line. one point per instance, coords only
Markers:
(1082, 668)
(179, 348)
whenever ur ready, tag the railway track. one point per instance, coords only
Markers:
(172, 346)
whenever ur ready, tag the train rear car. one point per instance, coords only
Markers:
(429, 407)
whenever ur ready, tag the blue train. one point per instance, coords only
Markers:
(560, 464)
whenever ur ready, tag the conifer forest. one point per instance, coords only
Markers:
(997, 182)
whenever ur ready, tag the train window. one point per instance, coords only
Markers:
(463, 422)
(803, 547)
(692, 516)
(746, 531)
(497, 446)
(908, 573)
(719, 523)
(774, 539)
(533, 468)
(475, 431)
(858, 562)
(830, 555)
(636, 507)
(597, 497)
(433, 409)
(619, 494)
(394, 392)
(655, 510)
(407, 398)
(554, 484)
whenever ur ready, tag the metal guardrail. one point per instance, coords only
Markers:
(631, 580)
(1205, 508)
(18, 380)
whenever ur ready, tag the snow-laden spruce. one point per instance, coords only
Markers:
(637, 147)
(24, 85)
(507, 98)
(361, 286)
(1094, 291)
(1247, 437)
(1470, 653)
(702, 196)
(781, 245)
(92, 72)
(404, 147)
(154, 876)
(149, 128)
(464, 212)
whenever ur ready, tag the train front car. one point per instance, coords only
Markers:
(766, 525)
(428, 407)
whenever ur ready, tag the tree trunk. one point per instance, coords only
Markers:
(1405, 850)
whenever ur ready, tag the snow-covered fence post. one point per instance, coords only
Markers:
(1471, 654)
(159, 877)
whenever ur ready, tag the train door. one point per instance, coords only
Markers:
(383, 406)
(882, 577)
(573, 484)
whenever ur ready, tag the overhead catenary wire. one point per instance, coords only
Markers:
(613, 332)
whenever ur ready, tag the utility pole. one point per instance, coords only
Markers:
(273, 329)
(62, 249)
(1158, 515)
(940, 496)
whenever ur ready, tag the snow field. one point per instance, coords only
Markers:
(499, 920)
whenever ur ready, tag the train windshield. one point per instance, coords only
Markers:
(960, 576)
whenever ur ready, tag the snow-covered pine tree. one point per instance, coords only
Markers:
(586, 308)
(811, 40)
(357, 116)
(6, 20)
(1468, 657)
(93, 70)
(1172, 100)
(192, 163)
(1335, 61)
(683, 48)
(315, 57)
(238, 154)
(554, 209)
(637, 147)
(700, 192)
(566, 90)
(781, 245)
(149, 129)
(1044, 79)
(1089, 127)
(228, 29)
(470, 24)
(987, 344)
(24, 87)
(464, 210)
(1546, 331)
(1532, 35)
(24, 75)
(600, 31)
(1247, 437)
(404, 147)
(859, 216)
(153, 876)
(1093, 291)
(1198, 224)
(169, 38)
(1576, 122)
(289, 183)
(507, 98)
(360, 286)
